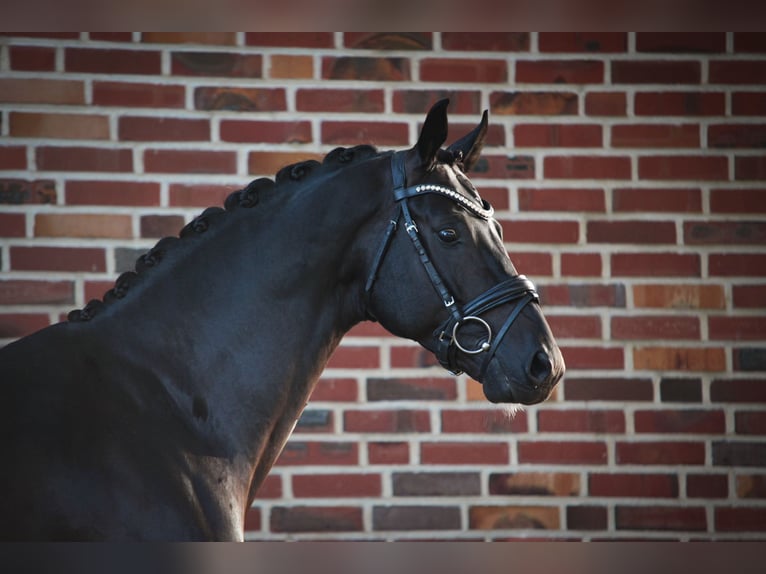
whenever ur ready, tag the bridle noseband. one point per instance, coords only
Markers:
(518, 289)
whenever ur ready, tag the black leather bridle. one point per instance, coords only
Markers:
(517, 289)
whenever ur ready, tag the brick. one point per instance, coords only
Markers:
(733, 200)
(240, 99)
(631, 232)
(583, 295)
(726, 328)
(581, 264)
(336, 485)
(747, 359)
(655, 264)
(495, 136)
(111, 61)
(131, 193)
(656, 136)
(750, 168)
(608, 389)
(290, 39)
(316, 519)
(32, 58)
(88, 259)
(348, 357)
(655, 327)
(593, 357)
(412, 388)
(314, 420)
(569, 42)
(137, 128)
(270, 162)
(581, 421)
(459, 453)
(189, 161)
(693, 168)
(740, 519)
(588, 517)
(365, 68)
(680, 103)
(33, 292)
(606, 104)
(560, 71)
(253, 519)
(660, 518)
(562, 452)
(739, 453)
(111, 36)
(748, 103)
(482, 421)
(13, 225)
(537, 103)
(415, 101)
(219, 64)
(660, 453)
(291, 67)
(14, 325)
(388, 40)
(505, 167)
(409, 518)
(749, 42)
(356, 133)
(52, 35)
(335, 390)
(679, 296)
(587, 167)
(695, 421)
(737, 264)
(486, 41)
(737, 71)
(709, 359)
(749, 296)
(66, 126)
(552, 135)
(245, 131)
(681, 42)
(418, 357)
(271, 488)
(659, 200)
(13, 157)
(750, 422)
(138, 95)
(20, 192)
(738, 390)
(513, 517)
(474, 70)
(538, 231)
(707, 486)
(575, 326)
(751, 486)
(212, 38)
(83, 225)
(77, 158)
(322, 100)
(314, 453)
(388, 452)
(387, 421)
(724, 233)
(534, 484)
(40, 91)
(624, 485)
(748, 135)
(156, 226)
(656, 72)
(436, 483)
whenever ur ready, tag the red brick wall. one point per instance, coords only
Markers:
(627, 170)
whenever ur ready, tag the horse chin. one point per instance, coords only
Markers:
(501, 387)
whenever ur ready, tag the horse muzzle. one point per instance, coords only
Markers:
(528, 386)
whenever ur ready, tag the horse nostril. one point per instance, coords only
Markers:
(540, 367)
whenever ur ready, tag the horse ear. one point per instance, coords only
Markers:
(434, 133)
(470, 145)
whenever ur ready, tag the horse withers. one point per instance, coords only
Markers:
(156, 413)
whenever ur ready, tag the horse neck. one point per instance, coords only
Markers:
(244, 317)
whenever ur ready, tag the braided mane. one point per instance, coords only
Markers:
(287, 178)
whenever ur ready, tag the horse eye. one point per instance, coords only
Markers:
(448, 235)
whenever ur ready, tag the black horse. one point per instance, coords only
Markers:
(157, 412)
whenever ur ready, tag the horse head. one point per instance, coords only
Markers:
(457, 292)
